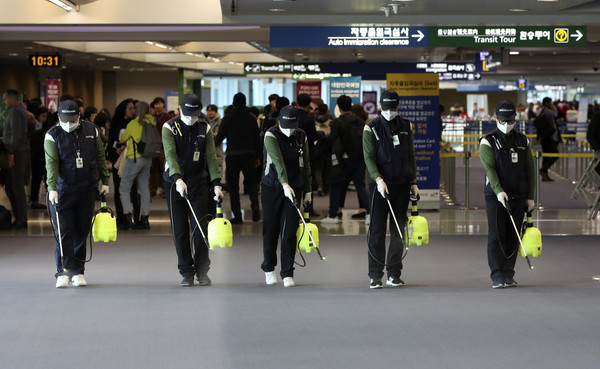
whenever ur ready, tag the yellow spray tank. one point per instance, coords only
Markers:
(417, 230)
(104, 223)
(303, 241)
(531, 238)
(219, 230)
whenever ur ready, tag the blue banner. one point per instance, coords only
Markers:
(348, 36)
(339, 86)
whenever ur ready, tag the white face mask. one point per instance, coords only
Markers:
(389, 114)
(288, 131)
(505, 128)
(189, 120)
(69, 126)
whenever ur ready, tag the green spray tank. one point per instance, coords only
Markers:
(220, 233)
(303, 240)
(417, 230)
(531, 238)
(104, 224)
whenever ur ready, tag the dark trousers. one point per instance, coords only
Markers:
(75, 212)
(503, 242)
(246, 165)
(38, 172)
(182, 221)
(548, 146)
(279, 217)
(16, 177)
(399, 196)
(135, 199)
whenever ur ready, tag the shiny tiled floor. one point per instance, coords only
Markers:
(450, 220)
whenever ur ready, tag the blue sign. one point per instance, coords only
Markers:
(348, 36)
(338, 86)
(423, 112)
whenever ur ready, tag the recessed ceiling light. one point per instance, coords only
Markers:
(13, 54)
(518, 10)
(548, 1)
(277, 10)
(116, 67)
(514, 53)
(100, 59)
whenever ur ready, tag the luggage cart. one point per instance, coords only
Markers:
(588, 187)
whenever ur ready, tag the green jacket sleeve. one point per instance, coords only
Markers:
(306, 173)
(51, 152)
(274, 154)
(531, 175)
(369, 152)
(211, 158)
(101, 160)
(486, 155)
(170, 152)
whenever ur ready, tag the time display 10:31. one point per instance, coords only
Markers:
(45, 61)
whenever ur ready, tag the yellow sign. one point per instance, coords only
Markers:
(414, 84)
(561, 35)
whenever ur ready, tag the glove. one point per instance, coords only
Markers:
(414, 191)
(503, 198)
(53, 197)
(308, 198)
(104, 189)
(218, 193)
(382, 187)
(530, 205)
(181, 187)
(288, 192)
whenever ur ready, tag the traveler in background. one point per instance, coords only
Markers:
(243, 143)
(389, 154)
(74, 162)
(510, 186)
(192, 166)
(549, 141)
(136, 167)
(157, 186)
(124, 113)
(593, 136)
(102, 122)
(16, 143)
(322, 149)
(38, 165)
(346, 140)
(214, 120)
(89, 113)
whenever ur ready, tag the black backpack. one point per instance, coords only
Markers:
(150, 143)
(5, 218)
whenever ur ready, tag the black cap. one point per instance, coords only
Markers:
(190, 105)
(389, 100)
(288, 117)
(505, 110)
(68, 111)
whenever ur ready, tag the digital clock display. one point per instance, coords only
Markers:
(45, 60)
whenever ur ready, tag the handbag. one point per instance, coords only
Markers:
(120, 163)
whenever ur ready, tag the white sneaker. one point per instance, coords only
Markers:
(288, 282)
(270, 278)
(367, 219)
(78, 281)
(62, 281)
(330, 220)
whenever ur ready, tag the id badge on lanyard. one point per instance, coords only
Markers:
(196, 155)
(514, 157)
(396, 140)
(79, 161)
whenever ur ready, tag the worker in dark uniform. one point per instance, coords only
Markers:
(510, 185)
(191, 166)
(390, 158)
(286, 175)
(75, 162)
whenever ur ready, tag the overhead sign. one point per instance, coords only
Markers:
(451, 71)
(350, 36)
(349, 86)
(281, 68)
(318, 76)
(507, 36)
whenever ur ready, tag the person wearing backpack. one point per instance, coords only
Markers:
(137, 166)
